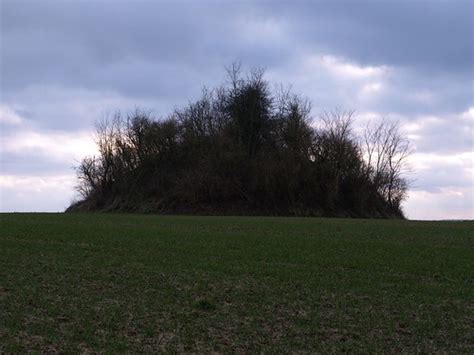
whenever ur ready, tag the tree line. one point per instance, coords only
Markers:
(244, 149)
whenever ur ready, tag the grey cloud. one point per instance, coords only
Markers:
(442, 175)
(409, 92)
(96, 44)
(74, 42)
(33, 163)
(170, 49)
(435, 35)
(62, 108)
(446, 137)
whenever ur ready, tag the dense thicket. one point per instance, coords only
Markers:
(241, 149)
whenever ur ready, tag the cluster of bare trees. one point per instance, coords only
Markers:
(240, 149)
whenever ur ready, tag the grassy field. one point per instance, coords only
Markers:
(128, 283)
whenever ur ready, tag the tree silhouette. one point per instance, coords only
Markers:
(241, 149)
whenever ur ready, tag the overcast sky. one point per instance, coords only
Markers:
(65, 64)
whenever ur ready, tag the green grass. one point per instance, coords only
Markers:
(129, 283)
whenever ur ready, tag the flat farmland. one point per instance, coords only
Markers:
(142, 283)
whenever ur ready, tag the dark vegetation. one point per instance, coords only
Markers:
(129, 283)
(241, 149)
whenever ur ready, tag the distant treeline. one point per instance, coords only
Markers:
(243, 149)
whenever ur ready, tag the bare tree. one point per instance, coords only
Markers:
(386, 152)
(87, 176)
(335, 141)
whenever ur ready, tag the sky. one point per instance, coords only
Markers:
(66, 64)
